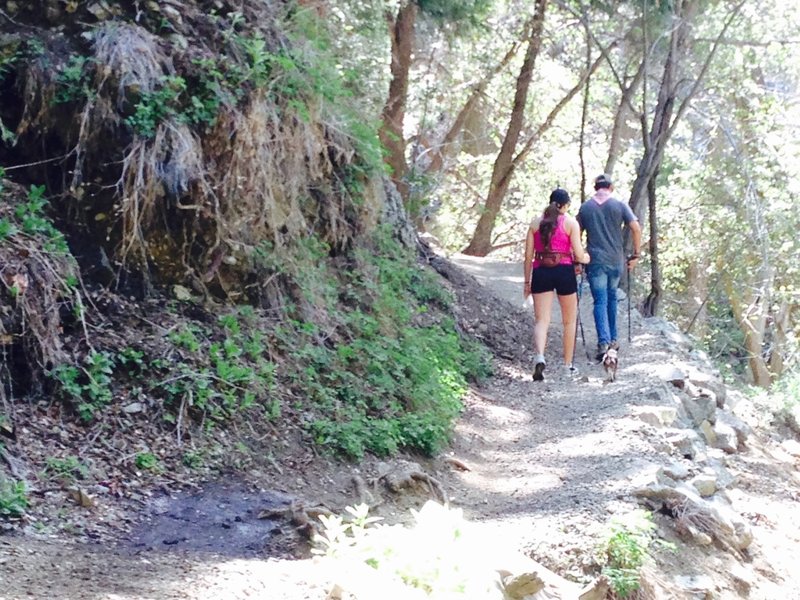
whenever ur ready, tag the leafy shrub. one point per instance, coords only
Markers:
(147, 461)
(787, 389)
(627, 549)
(440, 556)
(392, 382)
(156, 106)
(13, 498)
(72, 82)
(225, 373)
(89, 386)
(31, 220)
(68, 468)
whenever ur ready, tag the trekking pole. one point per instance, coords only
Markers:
(580, 321)
(629, 303)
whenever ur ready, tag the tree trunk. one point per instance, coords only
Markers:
(481, 243)
(551, 117)
(697, 283)
(585, 114)
(655, 140)
(664, 125)
(444, 149)
(650, 308)
(619, 118)
(391, 131)
(780, 338)
(752, 319)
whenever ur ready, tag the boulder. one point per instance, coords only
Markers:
(700, 408)
(657, 416)
(687, 442)
(676, 470)
(672, 374)
(741, 428)
(701, 587)
(517, 587)
(705, 484)
(725, 438)
(792, 418)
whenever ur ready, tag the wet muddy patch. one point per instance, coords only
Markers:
(219, 518)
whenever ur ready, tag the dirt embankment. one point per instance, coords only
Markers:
(542, 466)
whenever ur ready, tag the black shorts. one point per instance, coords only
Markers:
(560, 278)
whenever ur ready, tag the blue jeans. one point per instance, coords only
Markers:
(604, 281)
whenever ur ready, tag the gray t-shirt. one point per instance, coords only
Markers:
(603, 226)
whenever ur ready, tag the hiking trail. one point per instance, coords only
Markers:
(550, 464)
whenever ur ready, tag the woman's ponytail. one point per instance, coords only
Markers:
(547, 225)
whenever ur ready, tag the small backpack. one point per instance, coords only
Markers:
(550, 259)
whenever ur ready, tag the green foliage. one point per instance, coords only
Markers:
(193, 460)
(31, 220)
(147, 461)
(186, 337)
(470, 12)
(627, 549)
(13, 498)
(311, 75)
(787, 391)
(88, 386)
(195, 100)
(391, 382)
(132, 360)
(7, 229)
(156, 106)
(72, 82)
(441, 555)
(66, 469)
(224, 374)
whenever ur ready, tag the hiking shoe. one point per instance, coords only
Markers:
(601, 350)
(538, 369)
(614, 345)
(573, 371)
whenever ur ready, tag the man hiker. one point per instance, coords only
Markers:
(602, 217)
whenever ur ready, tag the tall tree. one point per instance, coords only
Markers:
(393, 116)
(481, 242)
(670, 106)
(401, 28)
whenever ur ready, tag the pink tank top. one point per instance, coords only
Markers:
(559, 242)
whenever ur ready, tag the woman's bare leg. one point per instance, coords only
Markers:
(542, 312)
(569, 318)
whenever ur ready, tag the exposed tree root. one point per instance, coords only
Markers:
(304, 519)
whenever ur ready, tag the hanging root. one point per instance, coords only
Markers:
(37, 282)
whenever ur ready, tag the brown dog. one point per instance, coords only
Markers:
(610, 361)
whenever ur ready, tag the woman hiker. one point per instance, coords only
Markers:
(552, 247)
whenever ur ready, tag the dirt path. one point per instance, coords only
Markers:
(550, 464)
(554, 461)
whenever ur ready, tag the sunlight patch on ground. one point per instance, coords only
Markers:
(242, 578)
(590, 444)
(505, 424)
(496, 482)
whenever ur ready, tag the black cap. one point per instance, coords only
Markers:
(602, 181)
(559, 196)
